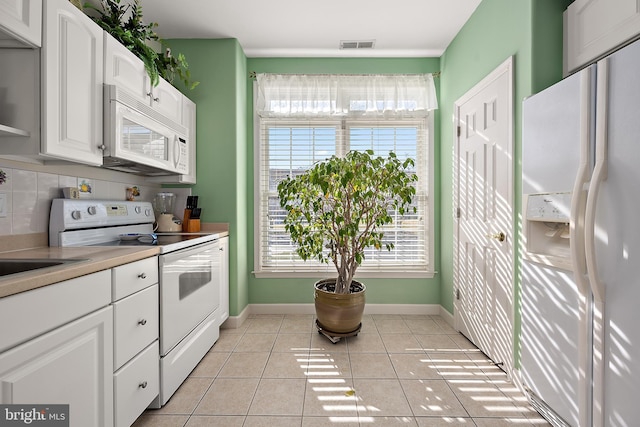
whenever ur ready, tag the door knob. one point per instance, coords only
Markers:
(500, 237)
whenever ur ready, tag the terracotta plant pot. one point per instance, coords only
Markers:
(339, 313)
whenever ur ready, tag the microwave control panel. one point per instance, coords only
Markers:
(183, 160)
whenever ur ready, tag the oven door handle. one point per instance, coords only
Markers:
(187, 252)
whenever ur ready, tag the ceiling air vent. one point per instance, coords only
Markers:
(357, 44)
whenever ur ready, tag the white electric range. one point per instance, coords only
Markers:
(188, 275)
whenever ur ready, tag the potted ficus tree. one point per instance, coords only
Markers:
(334, 211)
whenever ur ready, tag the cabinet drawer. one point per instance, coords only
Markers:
(29, 314)
(136, 385)
(135, 324)
(130, 278)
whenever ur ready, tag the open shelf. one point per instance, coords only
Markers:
(10, 131)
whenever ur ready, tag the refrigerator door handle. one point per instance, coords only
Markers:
(599, 175)
(597, 286)
(576, 233)
(579, 195)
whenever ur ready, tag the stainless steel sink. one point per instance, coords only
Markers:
(13, 266)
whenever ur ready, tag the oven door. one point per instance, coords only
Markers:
(189, 291)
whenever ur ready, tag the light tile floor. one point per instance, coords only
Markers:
(277, 371)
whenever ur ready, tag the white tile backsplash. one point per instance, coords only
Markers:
(67, 181)
(29, 192)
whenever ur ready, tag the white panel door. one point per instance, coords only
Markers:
(484, 184)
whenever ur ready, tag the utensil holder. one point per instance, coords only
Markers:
(185, 220)
(193, 226)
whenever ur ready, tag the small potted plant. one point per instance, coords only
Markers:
(334, 211)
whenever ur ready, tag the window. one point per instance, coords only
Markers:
(294, 133)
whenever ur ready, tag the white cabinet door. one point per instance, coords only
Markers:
(125, 70)
(69, 365)
(167, 100)
(596, 27)
(20, 21)
(224, 278)
(72, 77)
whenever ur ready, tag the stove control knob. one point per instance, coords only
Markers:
(91, 210)
(147, 212)
(138, 209)
(76, 214)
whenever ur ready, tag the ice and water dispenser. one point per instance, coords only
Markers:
(546, 226)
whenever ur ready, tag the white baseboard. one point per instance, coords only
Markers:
(421, 309)
(234, 322)
(448, 317)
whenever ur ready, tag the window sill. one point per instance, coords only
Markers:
(360, 274)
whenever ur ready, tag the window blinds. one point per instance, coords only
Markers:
(291, 142)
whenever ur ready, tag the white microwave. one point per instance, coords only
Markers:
(141, 140)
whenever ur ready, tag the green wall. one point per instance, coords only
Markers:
(299, 290)
(220, 66)
(531, 30)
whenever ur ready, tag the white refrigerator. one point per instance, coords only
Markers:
(580, 275)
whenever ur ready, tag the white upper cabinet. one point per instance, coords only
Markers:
(594, 28)
(125, 70)
(20, 23)
(167, 100)
(72, 84)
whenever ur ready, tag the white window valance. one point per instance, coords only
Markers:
(331, 95)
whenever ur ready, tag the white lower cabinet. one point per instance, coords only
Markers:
(69, 365)
(136, 319)
(89, 342)
(224, 279)
(135, 385)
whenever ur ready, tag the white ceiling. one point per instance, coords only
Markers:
(305, 28)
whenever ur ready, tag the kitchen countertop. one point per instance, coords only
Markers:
(95, 258)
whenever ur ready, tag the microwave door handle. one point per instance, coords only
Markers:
(176, 151)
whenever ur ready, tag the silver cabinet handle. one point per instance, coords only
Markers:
(156, 99)
(143, 384)
(142, 322)
(142, 275)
